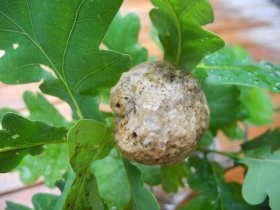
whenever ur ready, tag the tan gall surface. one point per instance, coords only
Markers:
(161, 112)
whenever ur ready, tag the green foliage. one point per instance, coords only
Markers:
(225, 106)
(44, 201)
(233, 66)
(141, 198)
(262, 178)
(53, 157)
(40, 109)
(51, 164)
(3, 111)
(269, 139)
(42, 41)
(20, 137)
(184, 41)
(173, 175)
(88, 141)
(117, 38)
(15, 206)
(120, 184)
(88, 105)
(112, 181)
(234, 132)
(150, 174)
(231, 104)
(82, 74)
(207, 139)
(253, 99)
(215, 193)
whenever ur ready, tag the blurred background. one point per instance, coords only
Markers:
(253, 24)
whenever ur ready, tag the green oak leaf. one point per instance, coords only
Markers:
(42, 201)
(233, 131)
(20, 137)
(273, 194)
(260, 105)
(233, 66)
(88, 141)
(172, 176)
(51, 164)
(207, 139)
(269, 139)
(70, 176)
(215, 193)
(3, 111)
(112, 181)
(262, 179)
(225, 106)
(89, 105)
(150, 174)
(71, 51)
(184, 41)
(15, 206)
(53, 161)
(141, 198)
(231, 192)
(40, 109)
(122, 37)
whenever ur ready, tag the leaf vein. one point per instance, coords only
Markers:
(93, 73)
(69, 37)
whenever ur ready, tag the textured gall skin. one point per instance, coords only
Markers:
(161, 112)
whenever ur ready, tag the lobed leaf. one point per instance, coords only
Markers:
(141, 198)
(150, 174)
(71, 51)
(40, 201)
(3, 111)
(260, 105)
(259, 182)
(225, 106)
(112, 181)
(20, 137)
(15, 206)
(269, 139)
(184, 41)
(40, 109)
(215, 193)
(66, 187)
(89, 105)
(122, 37)
(233, 66)
(53, 161)
(172, 176)
(88, 141)
(43, 201)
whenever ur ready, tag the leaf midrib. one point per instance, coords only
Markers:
(10, 149)
(55, 69)
(177, 20)
(179, 29)
(69, 37)
(219, 196)
(95, 157)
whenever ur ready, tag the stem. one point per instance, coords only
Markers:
(232, 155)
